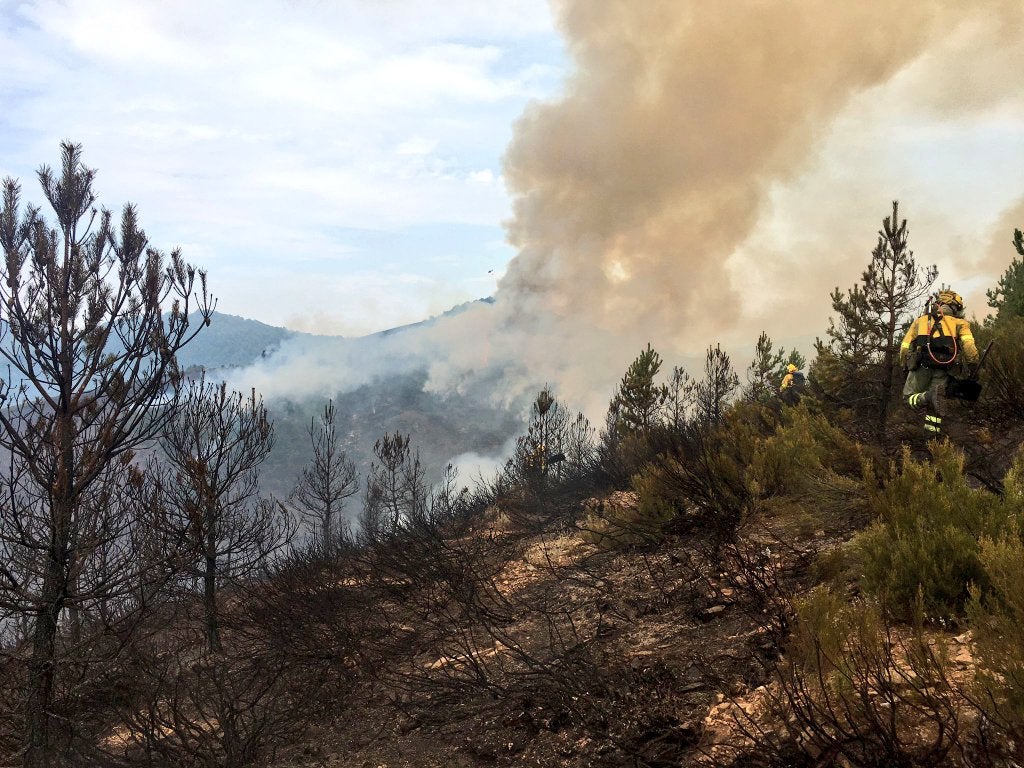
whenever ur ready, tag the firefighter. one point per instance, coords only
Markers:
(936, 342)
(792, 385)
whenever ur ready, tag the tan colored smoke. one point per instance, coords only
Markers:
(633, 192)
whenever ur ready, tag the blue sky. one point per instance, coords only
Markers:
(335, 166)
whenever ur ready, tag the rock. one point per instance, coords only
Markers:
(710, 613)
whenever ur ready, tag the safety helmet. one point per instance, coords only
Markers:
(952, 299)
(791, 368)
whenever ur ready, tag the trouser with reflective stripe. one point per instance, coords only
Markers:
(924, 389)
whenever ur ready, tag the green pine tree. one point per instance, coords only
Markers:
(717, 388)
(858, 365)
(1007, 298)
(765, 371)
(639, 401)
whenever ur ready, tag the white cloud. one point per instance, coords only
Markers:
(484, 177)
(258, 129)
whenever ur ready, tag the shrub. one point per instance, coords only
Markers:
(629, 519)
(1003, 375)
(854, 690)
(926, 537)
(803, 449)
(793, 464)
(808, 475)
(997, 618)
(703, 472)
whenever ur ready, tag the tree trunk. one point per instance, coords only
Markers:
(41, 666)
(210, 590)
(888, 361)
(40, 679)
(328, 537)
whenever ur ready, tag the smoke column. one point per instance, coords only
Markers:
(649, 198)
(634, 191)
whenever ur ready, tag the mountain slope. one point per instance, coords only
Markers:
(374, 393)
(231, 341)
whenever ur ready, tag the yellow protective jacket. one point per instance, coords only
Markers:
(955, 327)
(787, 382)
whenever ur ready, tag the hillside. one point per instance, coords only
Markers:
(727, 575)
(231, 342)
(564, 627)
(772, 586)
(444, 425)
(570, 624)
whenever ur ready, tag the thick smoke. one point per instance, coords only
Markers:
(636, 194)
(685, 185)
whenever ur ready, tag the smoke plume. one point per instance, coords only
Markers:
(636, 194)
(713, 169)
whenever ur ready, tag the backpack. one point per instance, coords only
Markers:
(798, 380)
(937, 351)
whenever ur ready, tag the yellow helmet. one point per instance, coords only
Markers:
(951, 298)
(791, 368)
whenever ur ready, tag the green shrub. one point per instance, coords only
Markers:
(654, 510)
(854, 687)
(997, 619)
(803, 449)
(698, 478)
(926, 537)
(640, 516)
(1002, 398)
(629, 519)
(832, 566)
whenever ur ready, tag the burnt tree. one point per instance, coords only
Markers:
(214, 447)
(92, 320)
(325, 483)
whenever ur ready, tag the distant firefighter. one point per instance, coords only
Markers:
(792, 385)
(936, 342)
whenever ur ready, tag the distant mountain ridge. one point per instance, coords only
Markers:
(234, 342)
(442, 425)
(231, 341)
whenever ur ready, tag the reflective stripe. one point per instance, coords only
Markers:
(933, 419)
(930, 428)
(905, 345)
(967, 336)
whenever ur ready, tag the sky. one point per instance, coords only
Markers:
(613, 173)
(335, 166)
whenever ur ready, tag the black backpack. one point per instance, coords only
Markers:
(937, 351)
(798, 380)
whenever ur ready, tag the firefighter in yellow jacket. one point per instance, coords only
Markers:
(936, 342)
(792, 385)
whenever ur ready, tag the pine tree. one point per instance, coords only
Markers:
(765, 371)
(715, 391)
(544, 439)
(858, 365)
(1007, 298)
(682, 395)
(795, 358)
(396, 495)
(214, 447)
(639, 401)
(325, 483)
(94, 317)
